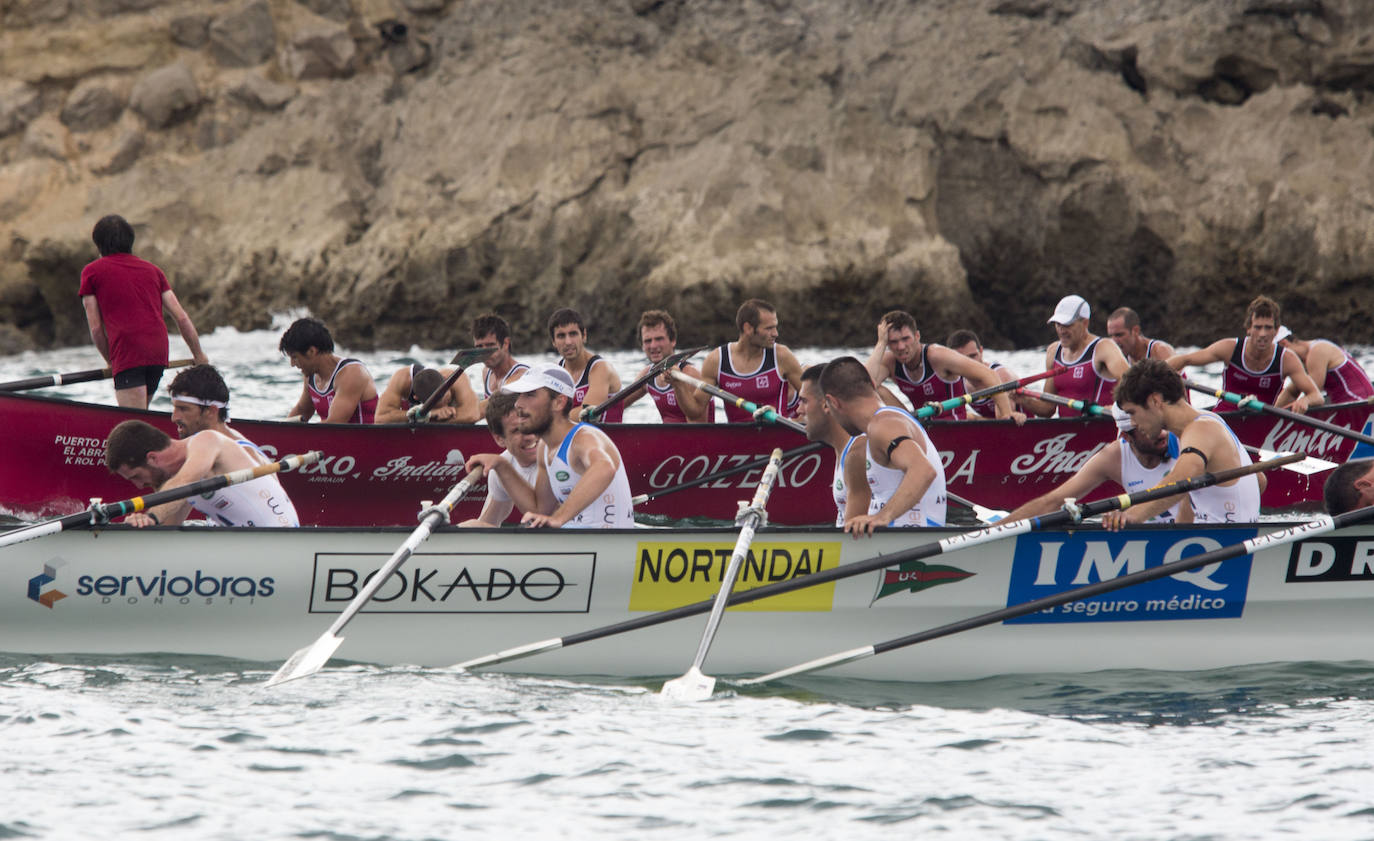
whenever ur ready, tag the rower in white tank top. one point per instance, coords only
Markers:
(1239, 503)
(614, 510)
(883, 482)
(1137, 477)
(261, 502)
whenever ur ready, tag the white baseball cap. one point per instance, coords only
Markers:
(1283, 333)
(1069, 309)
(1123, 420)
(552, 377)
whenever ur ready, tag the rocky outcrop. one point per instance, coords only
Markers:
(399, 166)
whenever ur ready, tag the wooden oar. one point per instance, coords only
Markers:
(100, 514)
(752, 464)
(987, 515)
(463, 358)
(1320, 525)
(670, 361)
(950, 544)
(306, 661)
(74, 377)
(1249, 402)
(694, 685)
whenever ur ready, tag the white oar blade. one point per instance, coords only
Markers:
(1307, 466)
(989, 515)
(693, 686)
(308, 660)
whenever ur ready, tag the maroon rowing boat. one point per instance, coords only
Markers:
(378, 475)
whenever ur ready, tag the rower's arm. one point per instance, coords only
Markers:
(466, 407)
(640, 392)
(304, 410)
(1162, 350)
(949, 363)
(389, 403)
(592, 456)
(1218, 351)
(185, 327)
(96, 325)
(1109, 357)
(789, 367)
(202, 451)
(710, 369)
(1105, 464)
(494, 513)
(694, 403)
(1310, 395)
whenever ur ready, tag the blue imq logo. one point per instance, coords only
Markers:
(1046, 564)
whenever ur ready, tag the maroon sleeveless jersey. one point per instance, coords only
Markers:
(323, 398)
(764, 386)
(930, 387)
(613, 414)
(1080, 380)
(1265, 384)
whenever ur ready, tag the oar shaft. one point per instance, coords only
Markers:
(430, 519)
(73, 378)
(932, 409)
(462, 359)
(746, 538)
(1244, 402)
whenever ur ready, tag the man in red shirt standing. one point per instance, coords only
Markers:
(125, 298)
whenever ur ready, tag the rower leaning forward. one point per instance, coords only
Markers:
(146, 456)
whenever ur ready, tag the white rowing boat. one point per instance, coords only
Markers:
(257, 594)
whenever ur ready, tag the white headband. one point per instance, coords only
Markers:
(186, 398)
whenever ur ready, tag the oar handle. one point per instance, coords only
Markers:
(932, 409)
(1077, 405)
(590, 415)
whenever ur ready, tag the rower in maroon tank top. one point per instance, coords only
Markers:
(1256, 364)
(927, 373)
(1331, 368)
(677, 402)
(754, 366)
(1091, 366)
(338, 390)
(594, 378)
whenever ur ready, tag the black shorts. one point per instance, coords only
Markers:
(144, 375)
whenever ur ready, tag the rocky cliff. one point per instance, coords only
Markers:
(399, 166)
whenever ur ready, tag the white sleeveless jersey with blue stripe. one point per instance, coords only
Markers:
(1239, 503)
(1137, 477)
(615, 508)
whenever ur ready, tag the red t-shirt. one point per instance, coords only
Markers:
(129, 292)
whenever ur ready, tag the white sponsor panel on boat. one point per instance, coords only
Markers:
(105, 583)
(672, 573)
(456, 582)
(1046, 564)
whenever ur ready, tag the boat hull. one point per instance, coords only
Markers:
(379, 475)
(259, 594)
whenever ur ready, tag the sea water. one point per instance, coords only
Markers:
(179, 747)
